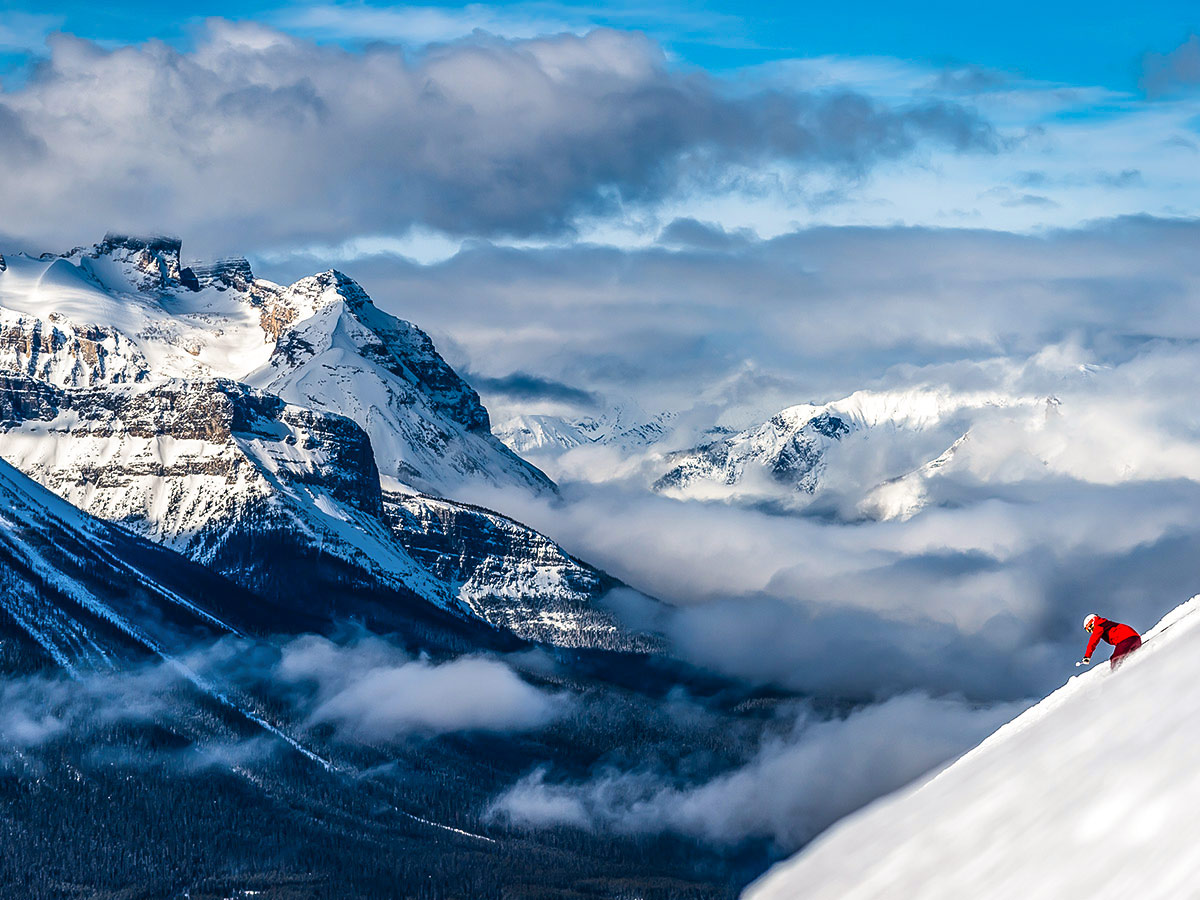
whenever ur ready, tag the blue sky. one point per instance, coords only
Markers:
(1096, 43)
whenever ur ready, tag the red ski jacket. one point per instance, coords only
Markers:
(1112, 632)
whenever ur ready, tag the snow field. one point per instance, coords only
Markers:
(1093, 788)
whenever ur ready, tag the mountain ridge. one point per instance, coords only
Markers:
(204, 408)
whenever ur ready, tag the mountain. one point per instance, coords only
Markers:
(523, 434)
(252, 427)
(625, 426)
(86, 596)
(847, 449)
(509, 575)
(141, 690)
(1085, 791)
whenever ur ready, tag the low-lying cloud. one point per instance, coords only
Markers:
(1038, 519)
(36, 710)
(746, 327)
(362, 690)
(371, 691)
(796, 785)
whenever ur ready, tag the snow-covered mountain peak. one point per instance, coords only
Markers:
(123, 262)
(125, 312)
(535, 432)
(336, 350)
(916, 407)
(793, 451)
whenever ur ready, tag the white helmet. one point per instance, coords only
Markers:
(1090, 621)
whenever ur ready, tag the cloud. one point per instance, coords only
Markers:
(1028, 200)
(971, 79)
(363, 689)
(16, 143)
(36, 710)
(1125, 178)
(1163, 73)
(692, 234)
(523, 386)
(255, 137)
(415, 25)
(370, 691)
(672, 328)
(796, 784)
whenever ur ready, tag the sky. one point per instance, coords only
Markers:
(278, 131)
(1067, 42)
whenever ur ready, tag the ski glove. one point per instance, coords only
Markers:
(1086, 661)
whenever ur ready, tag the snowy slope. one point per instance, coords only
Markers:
(81, 594)
(538, 432)
(625, 426)
(1093, 789)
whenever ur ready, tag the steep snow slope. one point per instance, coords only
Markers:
(83, 595)
(1093, 789)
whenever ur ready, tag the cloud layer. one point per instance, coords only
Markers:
(256, 137)
(370, 691)
(730, 323)
(796, 784)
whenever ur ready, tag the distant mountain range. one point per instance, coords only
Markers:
(873, 454)
(626, 427)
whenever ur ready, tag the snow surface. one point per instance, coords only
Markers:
(1093, 789)
(623, 425)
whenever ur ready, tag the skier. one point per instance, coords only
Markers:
(1123, 638)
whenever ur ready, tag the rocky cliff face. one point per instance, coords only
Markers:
(247, 425)
(510, 575)
(192, 464)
